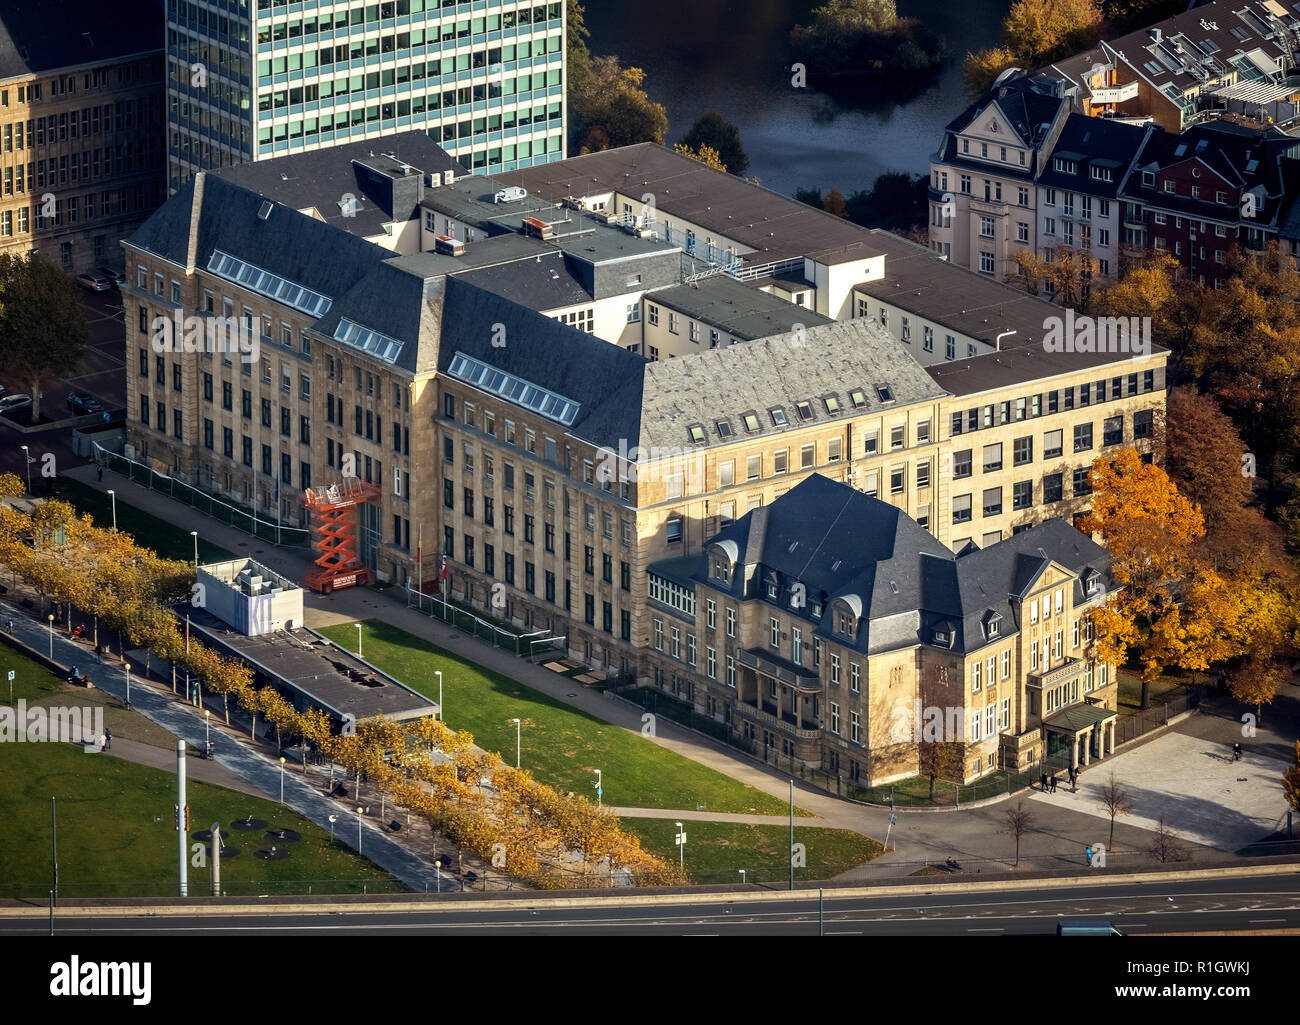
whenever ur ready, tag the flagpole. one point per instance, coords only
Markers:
(419, 554)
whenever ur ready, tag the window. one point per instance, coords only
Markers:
(1113, 430)
(1082, 437)
(1022, 451)
(961, 463)
(1052, 442)
(992, 457)
(1052, 487)
(1022, 494)
(992, 501)
(961, 509)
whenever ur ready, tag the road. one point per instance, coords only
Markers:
(1236, 904)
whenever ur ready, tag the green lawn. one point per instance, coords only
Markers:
(1167, 684)
(716, 851)
(170, 540)
(117, 839)
(561, 746)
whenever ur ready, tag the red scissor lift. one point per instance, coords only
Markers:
(334, 534)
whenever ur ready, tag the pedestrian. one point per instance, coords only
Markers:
(10, 624)
(100, 470)
(1043, 782)
(1088, 855)
(108, 739)
(99, 653)
(1236, 752)
(103, 740)
(1053, 782)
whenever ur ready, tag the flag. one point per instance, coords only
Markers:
(444, 574)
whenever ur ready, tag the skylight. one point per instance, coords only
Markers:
(778, 417)
(832, 404)
(858, 397)
(724, 428)
(885, 393)
(540, 400)
(270, 285)
(696, 433)
(804, 409)
(367, 340)
(751, 422)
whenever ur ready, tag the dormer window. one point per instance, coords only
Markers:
(772, 590)
(1066, 166)
(992, 625)
(817, 608)
(1093, 582)
(719, 569)
(941, 637)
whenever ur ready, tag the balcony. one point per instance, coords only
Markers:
(785, 723)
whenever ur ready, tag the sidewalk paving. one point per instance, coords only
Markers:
(1060, 833)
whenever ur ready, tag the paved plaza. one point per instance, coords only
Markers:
(1204, 796)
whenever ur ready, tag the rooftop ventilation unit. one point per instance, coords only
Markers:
(512, 194)
(448, 246)
(534, 228)
(435, 179)
(265, 212)
(448, 177)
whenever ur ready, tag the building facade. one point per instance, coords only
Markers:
(81, 129)
(831, 629)
(250, 81)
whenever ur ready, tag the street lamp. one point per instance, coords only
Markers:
(282, 779)
(742, 876)
(207, 715)
(333, 819)
(128, 685)
(112, 495)
(28, 457)
(438, 674)
(358, 640)
(51, 636)
(681, 846)
(195, 534)
(600, 787)
(358, 829)
(518, 727)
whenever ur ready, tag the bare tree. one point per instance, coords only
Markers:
(1019, 819)
(1164, 845)
(1117, 802)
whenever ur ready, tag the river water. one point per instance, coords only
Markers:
(732, 56)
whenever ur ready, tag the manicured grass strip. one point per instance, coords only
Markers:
(561, 746)
(169, 540)
(716, 851)
(117, 838)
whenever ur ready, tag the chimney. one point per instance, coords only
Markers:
(196, 212)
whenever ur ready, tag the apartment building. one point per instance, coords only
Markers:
(81, 128)
(834, 629)
(1226, 57)
(250, 82)
(1078, 189)
(982, 194)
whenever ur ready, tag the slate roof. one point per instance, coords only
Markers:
(399, 305)
(1222, 150)
(318, 179)
(778, 371)
(44, 35)
(298, 248)
(1029, 111)
(1103, 143)
(840, 544)
(607, 381)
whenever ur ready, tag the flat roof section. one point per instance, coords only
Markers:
(323, 673)
(740, 310)
(775, 226)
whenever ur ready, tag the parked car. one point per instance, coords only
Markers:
(116, 278)
(13, 403)
(81, 403)
(95, 282)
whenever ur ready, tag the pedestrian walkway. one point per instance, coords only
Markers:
(185, 721)
(705, 816)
